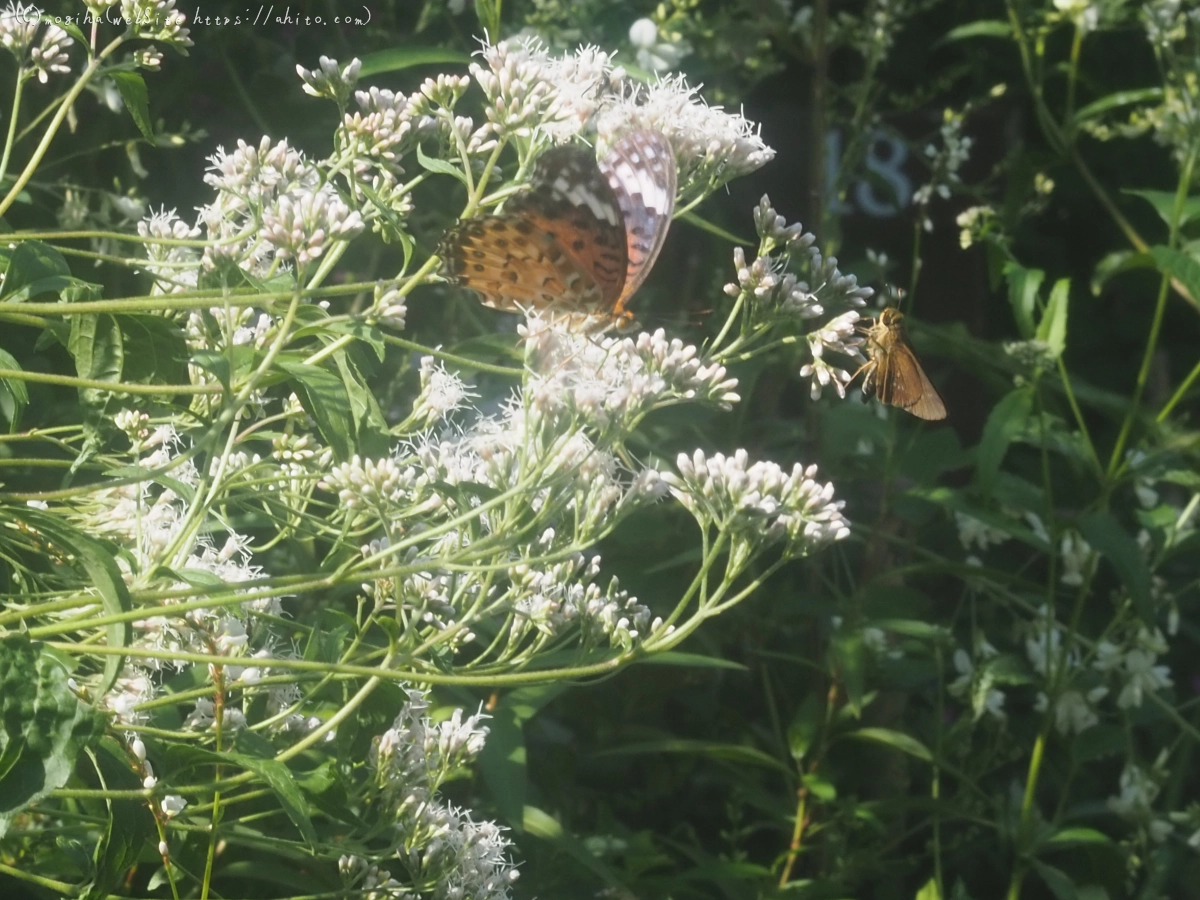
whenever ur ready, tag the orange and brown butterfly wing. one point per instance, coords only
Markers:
(641, 171)
(914, 393)
(896, 378)
(558, 246)
(514, 265)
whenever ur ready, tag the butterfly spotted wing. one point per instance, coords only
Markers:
(581, 239)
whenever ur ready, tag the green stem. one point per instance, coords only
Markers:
(52, 129)
(12, 122)
(1160, 306)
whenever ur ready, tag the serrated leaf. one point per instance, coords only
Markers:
(1005, 421)
(1052, 329)
(370, 427)
(43, 726)
(1164, 204)
(132, 88)
(1117, 546)
(32, 262)
(323, 397)
(161, 350)
(98, 348)
(440, 166)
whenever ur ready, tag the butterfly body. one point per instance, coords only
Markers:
(893, 373)
(580, 241)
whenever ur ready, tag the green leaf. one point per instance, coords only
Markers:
(849, 654)
(1115, 100)
(279, 779)
(704, 225)
(994, 28)
(736, 753)
(914, 628)
(1005, 421)
(14, 394)
(100, 564)
(440, 166)
(897, 740)
(1053, 327)
(806, 725)
(1179, 266)
(127, 827)
(696, 660)
(370, 427)
(1075, 837)
(1115, 263)
(43, 726)
(1164, 204)
(1060, 884)
(323, 397)
(502, 764)
(929, 891)
(161, 350)
(1114, 543)
(542, 825)
(32, 262)
(99, 350)
(132, 88)
(397, 58)
(1023, 287)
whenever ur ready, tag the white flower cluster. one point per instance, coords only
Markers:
(441, 848)
(157, 20)
(442, 393)
(330, 81)
(370, 484)
(271, 206)
(776, 294)
(711, 145)
(529, 91)
(944, 163)
(557, 598)
(175, 269)
(612, 381)
(976, 681)
(18, 28)
(759, 502)
(300, 224)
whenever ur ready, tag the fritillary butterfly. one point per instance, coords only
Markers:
(580, 241)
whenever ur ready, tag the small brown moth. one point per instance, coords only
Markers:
(893, 374)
